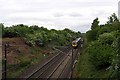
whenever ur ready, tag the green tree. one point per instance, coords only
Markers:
(91, 35)
(95, 24)
(116, 64)
(113, 18)
(106, 38)
(34, 27)
(101, 55)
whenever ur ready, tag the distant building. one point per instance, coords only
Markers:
(119, 10)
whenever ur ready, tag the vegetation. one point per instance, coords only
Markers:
(16, 69)
(100, 55)
(38, 41)
(40, 36)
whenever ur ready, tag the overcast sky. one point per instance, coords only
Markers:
(76, 15)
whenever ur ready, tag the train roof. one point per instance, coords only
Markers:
(77, 39)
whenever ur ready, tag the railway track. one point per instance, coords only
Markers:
(59, 66)
(68, 69)
(52, 68)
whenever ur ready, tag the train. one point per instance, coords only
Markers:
(77, 42)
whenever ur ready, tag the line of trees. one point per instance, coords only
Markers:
(104, 45)
(40, 36)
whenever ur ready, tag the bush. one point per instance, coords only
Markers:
(21, 29)
(92, 35)
(106, 38)
(116, 64)
(30, 39)
(104, 29)
(101, 55)
(40, 36)
(24, 63)
(39, 42)
(10, 32)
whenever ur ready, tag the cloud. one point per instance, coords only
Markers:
(82, 28)
(58, 14)
(75, 15)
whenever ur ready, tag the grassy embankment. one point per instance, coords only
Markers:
(15, 70)
(101, 52)
(37, 40)
(19, 58)
(85, 69)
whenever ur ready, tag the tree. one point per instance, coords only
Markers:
(106, 38)
(116, 63)
(68, 30)
(91, 35)
(95, 24)
(34, 27)
(101, 55)
(113, 18)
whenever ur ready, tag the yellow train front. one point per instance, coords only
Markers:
(76, 42)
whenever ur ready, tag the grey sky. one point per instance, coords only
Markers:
(58, 14)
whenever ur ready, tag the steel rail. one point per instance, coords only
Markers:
(43, 65)
(58, 66)
(42, 75)
(52, 59)
(68, 65)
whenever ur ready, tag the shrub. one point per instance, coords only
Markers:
(101, 55)
(24, 63)
(39, 42)
(21, 29)
(92, 35)
(116, 63)
(103, 29)
(10, 32)
(106, 38)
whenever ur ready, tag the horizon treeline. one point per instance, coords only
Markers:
(35, 35)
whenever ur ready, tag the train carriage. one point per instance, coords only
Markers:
(76, 43)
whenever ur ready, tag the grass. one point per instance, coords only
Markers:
(35, 50)
(38, 59)
(15, 70)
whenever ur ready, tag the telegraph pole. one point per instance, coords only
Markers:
(72, 61)
(5, 62)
